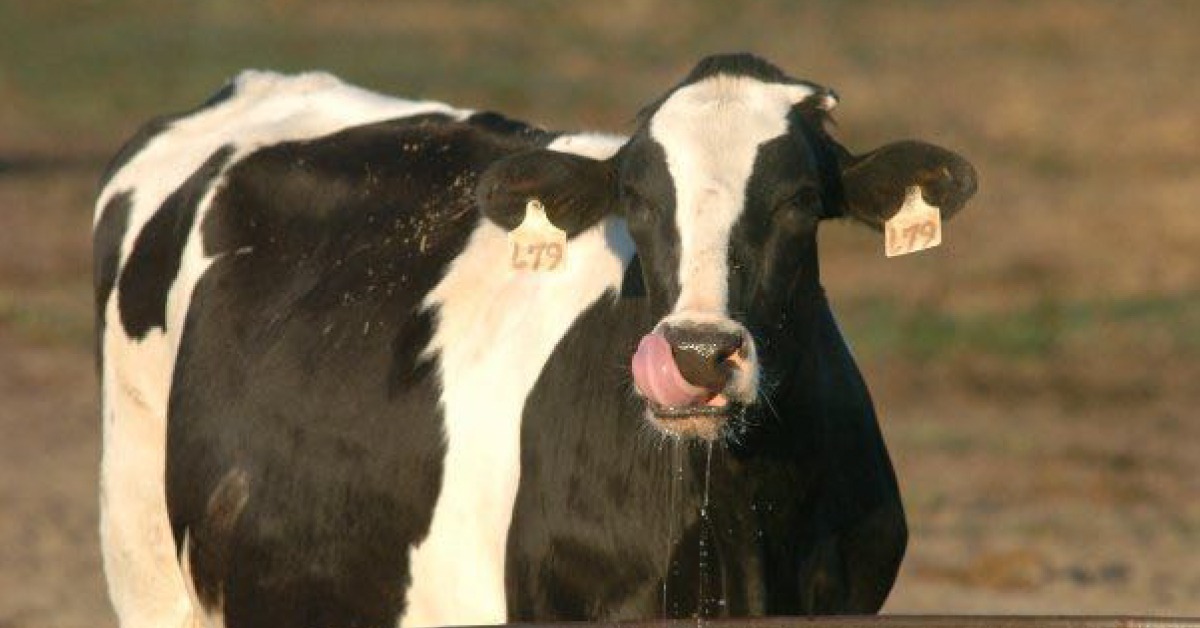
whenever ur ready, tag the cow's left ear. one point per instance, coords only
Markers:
(875, 184)
(577, 191)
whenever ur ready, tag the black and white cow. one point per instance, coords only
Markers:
(328, 400)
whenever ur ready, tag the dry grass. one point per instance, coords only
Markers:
(1036, 374)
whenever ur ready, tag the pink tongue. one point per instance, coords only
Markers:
(658, 378)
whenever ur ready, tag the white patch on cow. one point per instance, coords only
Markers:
(593, 145)
(710, 131)
(495, 331)
(144, 581)
(144, 578)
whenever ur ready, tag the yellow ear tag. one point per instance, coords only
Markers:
(916, 227)
(536, 245)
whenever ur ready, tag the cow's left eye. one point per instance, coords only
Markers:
(638, 205)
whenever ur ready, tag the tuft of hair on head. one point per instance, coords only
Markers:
(737, 64)
(748, 65)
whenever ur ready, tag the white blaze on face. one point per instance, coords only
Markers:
(710, 131)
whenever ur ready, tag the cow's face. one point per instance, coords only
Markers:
(722, 186)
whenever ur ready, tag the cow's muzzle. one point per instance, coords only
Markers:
(695, 376)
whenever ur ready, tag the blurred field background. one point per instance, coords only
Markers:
(1038, 376)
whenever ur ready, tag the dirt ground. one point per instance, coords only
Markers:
(1036, 376)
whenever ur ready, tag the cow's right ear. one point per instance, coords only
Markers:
(578, 192)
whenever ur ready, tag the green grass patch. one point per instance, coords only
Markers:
(879, 328)
(58, 317)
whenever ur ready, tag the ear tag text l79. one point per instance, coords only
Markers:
(916, 227)
(536, 245)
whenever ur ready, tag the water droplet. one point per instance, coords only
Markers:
(702, 568)
(674, 482)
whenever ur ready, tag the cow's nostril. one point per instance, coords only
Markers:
(705, 355)
(732, 347)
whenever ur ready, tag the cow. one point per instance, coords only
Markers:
(330, 399)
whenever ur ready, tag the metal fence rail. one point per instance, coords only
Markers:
(899, 621)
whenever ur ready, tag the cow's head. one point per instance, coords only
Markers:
(722, 186)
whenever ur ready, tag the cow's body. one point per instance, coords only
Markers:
(327, 401)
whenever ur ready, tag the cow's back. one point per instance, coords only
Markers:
(148, 257)
(278, 304)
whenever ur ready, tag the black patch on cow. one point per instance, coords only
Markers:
(156, 127)
(154, 261)
(647, 201)
(290, 190)
(632, 282)
(301, 367)
(106, 257)
(503, 125)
